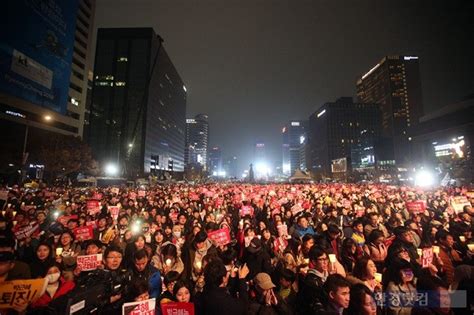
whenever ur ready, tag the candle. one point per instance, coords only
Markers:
(436, 250)
(332, 258)
(419, 251)
(378, 277)
(198, 265)
(59, 251)
(462, 238)
(15, 222)
(168, 262)
(14, 213)
(306, 261)
(471, 247)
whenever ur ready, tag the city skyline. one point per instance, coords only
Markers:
(255, 66)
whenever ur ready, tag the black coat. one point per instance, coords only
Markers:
(218, 301)
(311, 296)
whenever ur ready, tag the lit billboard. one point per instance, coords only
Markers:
(339, 165)
(36, 46)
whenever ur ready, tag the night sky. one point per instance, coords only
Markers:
(254, 65)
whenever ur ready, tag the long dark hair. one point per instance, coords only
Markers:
(358, 293)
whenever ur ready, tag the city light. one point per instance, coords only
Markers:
(47, 118)
(111, 169)
(424, 178)
(321, 113)
(262, 169)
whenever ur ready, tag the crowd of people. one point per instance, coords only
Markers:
(290, 249)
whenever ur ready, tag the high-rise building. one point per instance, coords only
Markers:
(46, 58)
(294, 135)
(259, 152)
(215, 162)
(231, 167)
(138, 110)
(395, 84)
(338, 128)
(197, 139)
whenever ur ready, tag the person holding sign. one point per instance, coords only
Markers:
(56, 288)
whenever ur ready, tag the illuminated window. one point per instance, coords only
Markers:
(122, 59)
(120, 83)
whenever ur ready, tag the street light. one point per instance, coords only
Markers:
(111, 169)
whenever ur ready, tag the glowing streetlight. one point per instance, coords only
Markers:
(111, 169)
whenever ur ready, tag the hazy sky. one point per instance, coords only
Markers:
(254, 65)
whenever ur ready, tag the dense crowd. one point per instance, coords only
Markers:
(281, 249)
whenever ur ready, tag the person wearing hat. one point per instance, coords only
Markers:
(266, 301)
(257, 259)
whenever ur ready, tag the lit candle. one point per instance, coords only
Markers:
(15, 222)
(3, 213)
(419, 251)
(462, 238)
(14, 213)
(378, 277)
(332, 258)
(59, 251)
(306, 261)
(198, 265)
(168, 262)
(471, 247)
(436, 250)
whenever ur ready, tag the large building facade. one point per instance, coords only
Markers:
(197, 141)
(46, 60)
(339, 128)
(293, 136)
(138, 109)
(395, 84)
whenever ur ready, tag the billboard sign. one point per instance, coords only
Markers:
(36, 47)
(339, 165)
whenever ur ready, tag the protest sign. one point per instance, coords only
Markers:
(93, 224)
(146, 307)
(65, 218)
(459, 202)
(21, 291)
(296, 209)
(24, 232)
(115, 190)
(416, 206)
(175, 308)
(114, 211)
(220, 237)
(141, 193)
(93, 206)
(83, 233)
(246, 210)
(89, 262)
(427, 257)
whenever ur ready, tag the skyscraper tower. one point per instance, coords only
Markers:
(138, 109)
(293, 134)
(197, 141)
(395, 84)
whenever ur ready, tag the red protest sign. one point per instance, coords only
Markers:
(93, 206)
(427, 257)
(65, 218)
(114, 211)
(141, 193)
(83, 233)
(416, 206)
(175, 308)
(296, 209)
(246, 210)
(220, 237)
(93, 224)
(89, 262)
(24, 232)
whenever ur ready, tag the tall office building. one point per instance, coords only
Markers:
(43, 73)
(339, 128)
(138, 110)
(215, 162)
(259, 155)
(197, 139)
(395, 84)
(293, 134)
